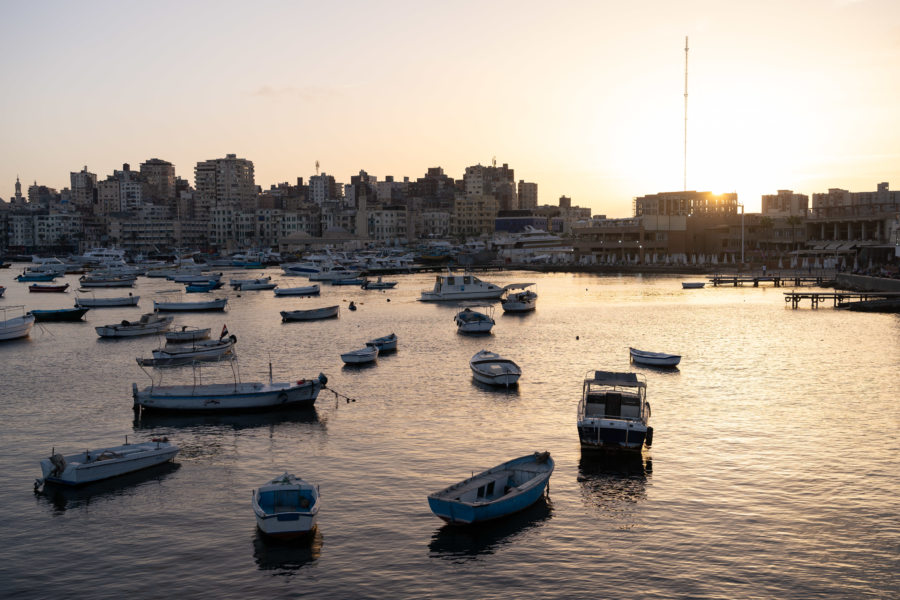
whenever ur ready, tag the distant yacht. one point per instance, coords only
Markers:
(101, 255)
(460, 287)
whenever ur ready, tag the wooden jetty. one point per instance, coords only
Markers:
(776, 279)
(839, 299)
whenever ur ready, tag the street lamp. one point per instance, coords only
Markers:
(742, 233)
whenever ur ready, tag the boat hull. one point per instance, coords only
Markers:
(384, 344)
(104, 302)
(286, 508)
(453, 296)
(190, 306)
(134, 329)
(654, 359)
(92, 466)
(612, 435)
(187, 335)
(311, 290)
(64, 314)
(227, 397)
(360, 357)
(17, 327)
(314, 314)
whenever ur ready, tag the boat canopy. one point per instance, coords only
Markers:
(517, 286)
(614, 379)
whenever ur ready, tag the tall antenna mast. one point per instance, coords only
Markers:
(685, 108)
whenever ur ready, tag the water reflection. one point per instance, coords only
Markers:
(62, 497)
(286, 556)
(236, 422)
(614, 484)
(462, 543)
(502, 390)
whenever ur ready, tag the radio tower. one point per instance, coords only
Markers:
(685, 108)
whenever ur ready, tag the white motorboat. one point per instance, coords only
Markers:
(503, 490)
(300, 268)
(474, 321)
(17, 326)
(250, 283)
(333, 272)
(613, 413)
(196, 277)
(149, 323)
(460, 287)
(106, 281)
(187, 334)
(214, 304)
(326, 312)
(361, 356)
(180, 355)
(307, 290)
(286, 506)
(385, 343)
(692, 285)
(518, 301)
(654, 359)
(378, 284)
(492, 369)
(103, 463)
(100, 255)
(129, 300)
(225, 397)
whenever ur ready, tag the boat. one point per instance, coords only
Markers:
(300, 268)
(91, 281)
(361, 356)
(378, 284)
(521, 301)
(473, 321)
(129, 300)
(257, 284)
(349, 281)
(237, 283)
(195, 277)
(460, 287)
(209, 286)
(187, 334)
(613, 413)
(326, 312)
(37, 287)
(308, 290)
(500, 491)
(654, 359)
(25, 277)
(883, 305)
(492, 369)
(216, 304)
(59, 314)
(692, 285)
(100, 255)
(181, 355)
(148, 323)
(103, 463)
(332, 272)
(12, 328)
(385, 343)
(228, 397)
(286, 507)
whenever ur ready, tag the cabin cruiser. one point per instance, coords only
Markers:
(460, 287)
(613, 413)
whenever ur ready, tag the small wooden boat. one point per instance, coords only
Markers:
(229, 397)
(187, 334)
(90, 281)
(654, 359)
(250, 283)
(128, 300)
(326, 312)
(473, 321)
(103, 463)
(192, 288)
(497, 492)
(350, 281)
(180, 355)
(378, 284)
(385, 343)
(12, 328)
(37, 287)
(259, 284)
(308, 290)
(692, 285)
(492, 369)
(361, 356)
(36, 277)
(60, 314)
(216, 304)
(286, 507)
(195, 277)
(149, 323)
(523, 300)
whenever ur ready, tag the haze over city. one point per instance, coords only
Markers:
(583, 98)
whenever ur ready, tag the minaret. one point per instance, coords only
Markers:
(18, 190)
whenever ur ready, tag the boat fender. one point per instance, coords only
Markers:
(322, 379)
(301, 381)
(233, 338)
(649, 438)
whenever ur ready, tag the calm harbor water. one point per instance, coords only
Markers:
(773, 472)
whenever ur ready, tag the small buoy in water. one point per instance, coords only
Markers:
(352, 306)
(389, 299)
(576, 337)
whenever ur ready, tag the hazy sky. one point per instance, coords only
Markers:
(584, 98)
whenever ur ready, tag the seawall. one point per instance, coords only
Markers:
(865, 283)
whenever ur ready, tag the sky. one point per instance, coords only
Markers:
(586, 99)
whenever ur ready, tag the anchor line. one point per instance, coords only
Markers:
(338, 396)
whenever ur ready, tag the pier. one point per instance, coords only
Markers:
(776, 279)
(839, 299)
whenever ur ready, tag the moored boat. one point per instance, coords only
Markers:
(500, 491)
(378, 284)
(384, 343)
(101, 281)
(492, 369)
(12, 328)
(24, 277)
(208, 286)
(103, 463)
(692, 285)
(129, 300)
(149, 323)
(460, 287)
(326, 312)
(37, 288)
(523, 300)
(474, 321)
(59, 314)
(216, 304)
(361, 356)
(307, 290)
(613, 413)
(187, 334)
(180, 355)
(286, 506)
(654, 359)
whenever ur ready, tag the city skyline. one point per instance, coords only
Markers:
(586, 100)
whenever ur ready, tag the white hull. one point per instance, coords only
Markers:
(103, 463)
(200, 350)
(309, 290)
(358, 357)
(196, 278)
(149, 325)
(493, 369)
(227, 396)
(476, 327)
(287, 506)
(333, 275)
(460, 295)
(654, 359)
(388, 342)
(101, 302)
(516, 306)
(107, 284)
(17, 327)
(218, 304)
(313, 314)
(187, 335)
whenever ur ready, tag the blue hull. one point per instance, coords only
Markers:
(455, 512)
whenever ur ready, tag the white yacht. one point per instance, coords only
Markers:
(460, 287)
